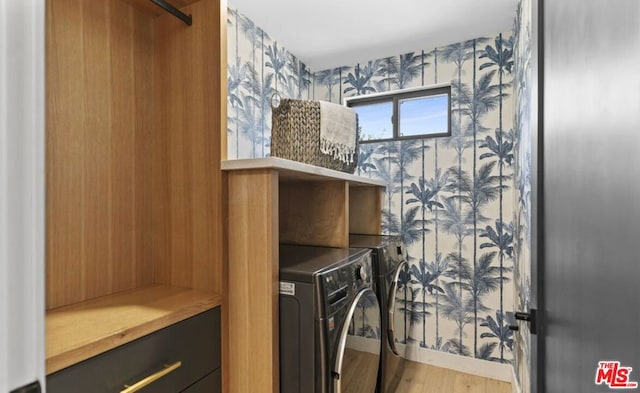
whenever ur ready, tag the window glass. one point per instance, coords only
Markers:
(423, 115)
(375, 120)
(403, 114)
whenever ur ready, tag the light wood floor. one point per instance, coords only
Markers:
(422, 378)
(360, 374)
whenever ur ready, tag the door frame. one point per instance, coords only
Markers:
(22, 193)
(537, 344)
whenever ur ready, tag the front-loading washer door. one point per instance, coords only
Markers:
(399, 294)
(355, 368)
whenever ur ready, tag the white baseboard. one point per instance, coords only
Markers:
(463, 364)
(363, 344)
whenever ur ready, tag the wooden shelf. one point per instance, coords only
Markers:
(273, 201)
(80, 331)
(296, 171)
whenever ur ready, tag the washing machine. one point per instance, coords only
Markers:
(330, 332)
(388, 257)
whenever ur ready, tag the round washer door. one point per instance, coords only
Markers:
(398, 296)
(358, 353)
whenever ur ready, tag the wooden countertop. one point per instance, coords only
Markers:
(293, 170)
(77, 332)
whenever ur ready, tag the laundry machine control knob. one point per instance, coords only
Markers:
(361, 273)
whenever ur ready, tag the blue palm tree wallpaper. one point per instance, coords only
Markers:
(258, 67)
(456, 201)
(451, 198)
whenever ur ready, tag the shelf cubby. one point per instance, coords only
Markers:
(272, 201)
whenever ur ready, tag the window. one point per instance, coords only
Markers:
(403, 114)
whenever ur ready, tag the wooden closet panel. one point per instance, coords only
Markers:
(223, 85)
(314, 213)
(99, 57)
(99, 130)
(253, 281)
(145, 112)
(365, 207)
(187, 210)
(132, 110)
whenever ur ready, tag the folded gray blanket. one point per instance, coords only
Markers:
(337, 131)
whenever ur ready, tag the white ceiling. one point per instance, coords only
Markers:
(331, 33)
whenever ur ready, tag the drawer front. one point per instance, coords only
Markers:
(195, 342)
(212, 383)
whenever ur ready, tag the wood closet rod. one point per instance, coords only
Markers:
(173, 11)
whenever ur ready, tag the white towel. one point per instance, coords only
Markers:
(337, 131)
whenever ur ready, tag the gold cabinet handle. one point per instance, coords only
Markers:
(151, 378)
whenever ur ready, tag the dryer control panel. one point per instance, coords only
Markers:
(341, 284)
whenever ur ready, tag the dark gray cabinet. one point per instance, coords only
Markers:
(194, 342)
(212, 383)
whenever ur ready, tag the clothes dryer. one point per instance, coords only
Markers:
(388, 256)
(329, 321)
